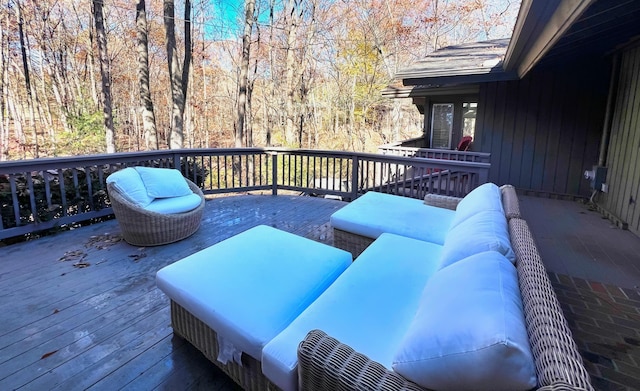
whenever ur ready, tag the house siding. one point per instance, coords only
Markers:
(543, 131)
(623, 158)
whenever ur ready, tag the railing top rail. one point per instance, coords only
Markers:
(444, 151)
(123, 157)
(385, 158)
(398, 144)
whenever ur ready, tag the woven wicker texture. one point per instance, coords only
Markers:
(248, 375)
(554, 350)
(353, 243)
(442, 201)
(141, 227)
(510, 202)
(326, 364)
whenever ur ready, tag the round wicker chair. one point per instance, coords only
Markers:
(141, 227)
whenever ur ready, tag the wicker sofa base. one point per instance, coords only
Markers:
(353, 243)
(248, 376)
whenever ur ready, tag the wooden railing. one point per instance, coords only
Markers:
(413, 148)
(41, 194)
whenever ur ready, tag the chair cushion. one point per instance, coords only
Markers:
(251, 286)
(163, 182)
(469, 332)
(484, 197)
(175, 204)
(375, 213)
(369, 307)
(481, 232)
(130, 186)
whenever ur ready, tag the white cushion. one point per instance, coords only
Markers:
(174, 204)
(368, 307)
(375, 213)
(469, 332)
(130, 186)
(484, 231)
(484, 197)
(251, 286)
(163, 182)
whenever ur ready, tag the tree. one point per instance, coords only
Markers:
(178, 73)
(244, 72)
(142, 48)
(105, 74)
(27, 78)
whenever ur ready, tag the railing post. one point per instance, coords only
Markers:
(274, 174)
(177, 164)
(354, 177)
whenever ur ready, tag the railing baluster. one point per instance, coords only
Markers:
(14, 198)
(274, 178)
(63, 192)
(32, 194)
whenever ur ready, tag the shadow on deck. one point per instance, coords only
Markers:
(106, 326)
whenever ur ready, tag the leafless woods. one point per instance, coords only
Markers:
(95, 76)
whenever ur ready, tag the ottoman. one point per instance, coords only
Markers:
(231, 299)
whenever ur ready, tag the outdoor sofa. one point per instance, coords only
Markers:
(492, 325)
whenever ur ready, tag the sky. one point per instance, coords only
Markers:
(228, 18)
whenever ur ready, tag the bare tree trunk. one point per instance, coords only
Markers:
(142, 47)
(272, 69)
(92, 70)
(292, 25)
(17, 123)
(241, 109)
(105, 76)
(179, 74)
(27, 80)
(4, 129)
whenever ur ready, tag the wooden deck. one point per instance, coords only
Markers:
(106, 326)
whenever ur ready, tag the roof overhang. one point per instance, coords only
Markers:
(467, 63)
(423, 91)
(539, 26)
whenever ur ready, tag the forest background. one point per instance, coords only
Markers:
(96, 76)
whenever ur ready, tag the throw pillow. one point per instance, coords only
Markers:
(484, 231)
(482, 198)
(163, 182)
(130, 186)
(469, 332)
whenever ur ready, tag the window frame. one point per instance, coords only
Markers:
(458, 120)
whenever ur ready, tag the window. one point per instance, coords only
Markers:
(441, 125)
(469, 110)
(450, 121)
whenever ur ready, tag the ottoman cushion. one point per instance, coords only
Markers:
(249, 287)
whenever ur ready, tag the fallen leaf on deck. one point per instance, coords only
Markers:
(81, 264)
(75, 255)
(47, 355)
(102, 242)
(137, 257)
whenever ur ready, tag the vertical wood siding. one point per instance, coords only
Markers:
(543, 131)
(623, 161)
